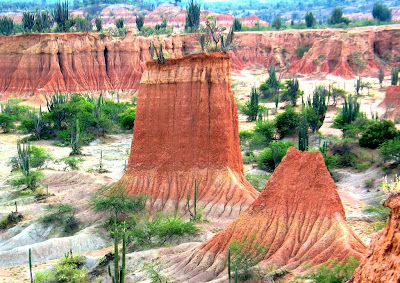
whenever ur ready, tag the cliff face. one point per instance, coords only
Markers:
(299, 217)
(44, 63)
(392, 100)
(382, 260)
(186, 127)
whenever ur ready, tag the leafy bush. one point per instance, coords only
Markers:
(377, 133)
(71, 162)
(257, 181)
(390, 150)
(115, 200)
(271, 156)
(161, 229)
(27, 125)
(39, 156)
(30, 181)
(70, 268)
(245, 254)
(62, 216)
(334, 272)
(301, 50)
(379, 213)
(127, 118)
(6, 122)
(10, 220)
(265, 129)
(382, 13)
(286, 122)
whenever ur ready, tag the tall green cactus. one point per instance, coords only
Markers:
(203, 42)
(317, 108)
(236, 275)
(119, 272)
(75, 140)
(226, 42)
(38, 122)
(381, 76)
(30, 265)
(192, 215)
(358, 85)
(395, 76)
(303, 133)
(229, 265)
(23, 158)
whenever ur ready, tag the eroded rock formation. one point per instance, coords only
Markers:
(186, 127)
(299, 217)
(392, 101)
(382, 259)
(43, 63)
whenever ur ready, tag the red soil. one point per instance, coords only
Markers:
(186, 127)
(392, 100)
(382, 260)
(298, 216)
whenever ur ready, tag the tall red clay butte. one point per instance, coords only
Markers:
(298, 218)
(186, 127)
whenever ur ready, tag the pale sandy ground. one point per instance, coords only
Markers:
(116, 151)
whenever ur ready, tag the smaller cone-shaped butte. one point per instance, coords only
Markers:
(186, 127)
(382, 259)
(299, 217)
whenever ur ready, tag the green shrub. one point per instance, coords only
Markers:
(334, 272)
(62, 216)
(39, 156)
(301, 50)
(379, 215)
(70, 268)
(71, 162)
(390, 150)
(115, 199)
(30, 181)
(127, 118)
(10, 220)
(246, 253)
(162, 228)
(27, 125)
(271, 156)
(257, 180)
(6, 122)
(245, 135)
(286, 122)
(377, 133)
(265, 129)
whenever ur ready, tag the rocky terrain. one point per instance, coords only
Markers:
(381, 262)
(37, 64)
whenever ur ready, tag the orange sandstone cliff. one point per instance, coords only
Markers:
(299, 217)
(44, 63)
(382, 260)
(186, 127)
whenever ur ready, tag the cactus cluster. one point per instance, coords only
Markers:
(303, 133)
(159, 54)
(23, 158)
(38, 122)
(350, 110)
(226, 42)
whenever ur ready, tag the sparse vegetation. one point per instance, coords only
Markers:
(70, 268)
(62, 216)
(334, 272)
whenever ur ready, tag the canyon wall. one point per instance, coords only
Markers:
(298, 218)
(382, 260)
(44, 63)
(186, 127)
